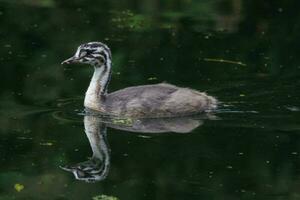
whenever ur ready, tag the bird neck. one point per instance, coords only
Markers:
(97, 89)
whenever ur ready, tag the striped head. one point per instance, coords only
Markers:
(96, 54)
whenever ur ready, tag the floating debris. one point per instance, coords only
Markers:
(104, 197)
(133, 21)
(224, 61)
(127, 121)
(19, 187)
(144, 136)
(24, 138)
(46, 143)
(292, 108)
(152, 78)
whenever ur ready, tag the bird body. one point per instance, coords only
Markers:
(145, 101)
(159, 100)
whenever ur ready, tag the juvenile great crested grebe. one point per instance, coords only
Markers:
(145, 101)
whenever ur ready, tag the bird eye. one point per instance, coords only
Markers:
(101, 59)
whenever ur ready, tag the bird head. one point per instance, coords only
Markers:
(96, 54)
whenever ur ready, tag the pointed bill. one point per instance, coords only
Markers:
(70, 61)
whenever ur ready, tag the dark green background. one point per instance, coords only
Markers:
(251, 152)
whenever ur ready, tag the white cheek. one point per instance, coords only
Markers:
(77, 53)
(96, 54)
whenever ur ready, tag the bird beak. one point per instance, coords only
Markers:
(66, 168)
(70, 61)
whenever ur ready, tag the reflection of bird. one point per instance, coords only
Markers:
(159, 125)
(146, 101)
(97, 167)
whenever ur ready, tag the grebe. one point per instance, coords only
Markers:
(145, 101)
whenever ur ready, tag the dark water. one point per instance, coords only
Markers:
(246, 53)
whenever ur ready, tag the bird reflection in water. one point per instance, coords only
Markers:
(97, 167)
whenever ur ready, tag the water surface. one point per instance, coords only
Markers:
(245, 53)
